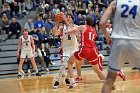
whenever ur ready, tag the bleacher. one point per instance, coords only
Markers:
(8, 59)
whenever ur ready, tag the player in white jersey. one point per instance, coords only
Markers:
(26, 44)
(125, 38)
(69, 44)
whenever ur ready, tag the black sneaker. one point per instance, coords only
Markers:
(114, 87)
(19, 76)
(38, 74)
(56, 85)
(67, 81)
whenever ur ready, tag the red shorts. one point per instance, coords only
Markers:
(91, 54)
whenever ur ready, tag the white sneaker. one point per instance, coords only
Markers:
(47, 69)
(72, 85)
(29, 71)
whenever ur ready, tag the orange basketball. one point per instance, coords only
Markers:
(58, 17)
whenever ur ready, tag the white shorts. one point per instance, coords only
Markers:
(27, 53)
(123, 51)
(67, 53)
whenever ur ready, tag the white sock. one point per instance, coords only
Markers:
(72, 80)
(36, 71)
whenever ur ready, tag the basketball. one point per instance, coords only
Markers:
(58, 17)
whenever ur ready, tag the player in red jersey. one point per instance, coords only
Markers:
(87, 49)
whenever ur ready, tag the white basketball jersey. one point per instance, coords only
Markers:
(69, 40)
(127, 20)
(26, 44)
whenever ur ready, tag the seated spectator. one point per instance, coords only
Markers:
(14, 29)
(80, 20)
(46, 54)
(109, 26)
(55, 10)
(40, 10)
(109, 29)
(43, 4)
(29, 25)
(21, 4)
(49, 26)
(34, 34)
(5, 23)
(38, 23)
(42, 36)
(7, 10)
(92, 15)
(39, 59)
(15, 10)
(47, 8)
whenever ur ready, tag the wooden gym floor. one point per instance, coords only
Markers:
(91, 83)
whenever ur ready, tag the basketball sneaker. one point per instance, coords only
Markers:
(56, 85)
(38, 74)
(67, 81)
(121, 74)
(78, 79)
(72, 85)
(19, 76)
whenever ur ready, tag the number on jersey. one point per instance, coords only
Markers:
(91, 36)
(132, 11)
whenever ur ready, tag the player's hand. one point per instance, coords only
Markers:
(63, 16)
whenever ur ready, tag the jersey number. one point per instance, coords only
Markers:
(91, 36)
(132, 11)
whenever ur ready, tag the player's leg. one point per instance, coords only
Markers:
(31, 57)
(22, 58)
(70, 63)
(109, 82)
(79, 77)
(20, 71)
(61, 71)
(99, 72)
(35, 66)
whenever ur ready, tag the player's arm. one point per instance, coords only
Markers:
(57, 30)
(106, 16)
(32, 44)
(76, 29)
(18, 47)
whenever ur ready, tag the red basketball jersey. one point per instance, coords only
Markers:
(88, 37)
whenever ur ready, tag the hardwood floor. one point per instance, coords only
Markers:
(91, 83)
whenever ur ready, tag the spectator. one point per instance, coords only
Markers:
(42, 36)
(49, 26)
(34, 34)
(14, 29)
(21, 4)
(43, 4)
(29, 25)
(39, 59)
(92, 15)
(109, 27)
(47, 8)
(5, 23)
(80, 20)
(40, 10)
(15, 10)
(55, 10)
(46, 54)
(38, 23)
(6, 9)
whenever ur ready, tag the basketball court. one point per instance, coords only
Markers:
(91, 83)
